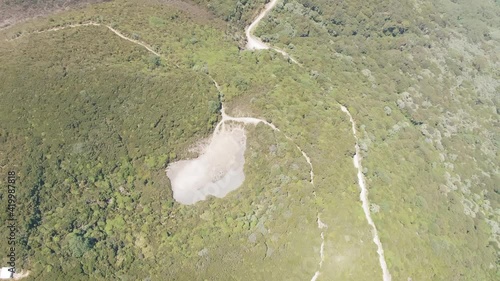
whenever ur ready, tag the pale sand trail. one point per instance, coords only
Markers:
(363, 196)
(254, 43)
(91, 23)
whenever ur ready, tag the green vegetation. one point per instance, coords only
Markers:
(89, 121)
(422, 82)
(101, 120)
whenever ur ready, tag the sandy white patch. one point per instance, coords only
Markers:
(6, 273)
(217, 171)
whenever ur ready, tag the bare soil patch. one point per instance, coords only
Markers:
(216, 172)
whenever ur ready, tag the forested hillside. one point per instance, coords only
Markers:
(423, 79)
(89, 121)
(101, 119)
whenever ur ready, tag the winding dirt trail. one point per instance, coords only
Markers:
(255, 121)
(363, 196)
(133, 40)
(254, 43)
(321, 225)
(91, 23)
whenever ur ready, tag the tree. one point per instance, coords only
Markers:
(78, 245)
(154, 61)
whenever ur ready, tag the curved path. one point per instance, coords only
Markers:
(254, 43)
(91, 23)
(255, 121)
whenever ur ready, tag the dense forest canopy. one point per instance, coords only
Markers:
(89, 121)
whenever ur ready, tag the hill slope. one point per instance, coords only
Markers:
(98, 101)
